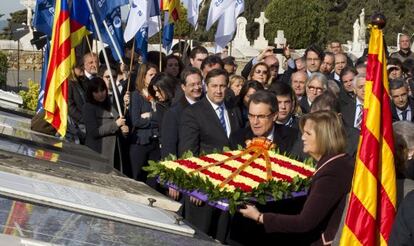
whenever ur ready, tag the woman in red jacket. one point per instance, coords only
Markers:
(324, 139)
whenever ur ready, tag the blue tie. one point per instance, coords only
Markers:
(221, 117)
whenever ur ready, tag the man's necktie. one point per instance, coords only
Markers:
(404, 114)
(359, 117)
(221, 117)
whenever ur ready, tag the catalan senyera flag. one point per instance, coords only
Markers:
(372, 202)
(79, 22)
(173, 8)
(59, 69)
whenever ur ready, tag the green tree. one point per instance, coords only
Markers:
(3, 69)
(304, 22)
(16, 18)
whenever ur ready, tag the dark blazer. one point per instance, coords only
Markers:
(395, 114)
(348, 113)
(403, 228)
(200, 130)
(76, 100)
(324, 205)
(304, 105)
(283, 137)
(101, 129)
(141, 129)
(169, 128)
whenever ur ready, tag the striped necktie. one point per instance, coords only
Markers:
(359, 117)
(221, 117)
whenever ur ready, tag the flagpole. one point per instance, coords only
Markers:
(113, 41)
(160, 36)
(89, 44)
(105, 57)
(130, 69)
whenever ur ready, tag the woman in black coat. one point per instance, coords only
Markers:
(144, 127)
(102, 121)
(324, 139)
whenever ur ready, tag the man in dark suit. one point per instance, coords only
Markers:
(263, 111)
(206, 125)
(347, 94)
(192, 90)
(352, 112)
(402, 105)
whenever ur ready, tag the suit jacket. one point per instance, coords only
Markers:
(283, 137)
(142, 129)
(395, 114)
(76, 100)
(169, 128)
(304, 105)
(348, 113)
(324, 205)
(200, 130)
(403, 229)
(101, 129)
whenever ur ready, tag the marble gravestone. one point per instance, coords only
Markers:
(240, 40)
(260, 43)
(280, 42)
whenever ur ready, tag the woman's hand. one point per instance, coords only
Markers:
(251, 212)
(173, 193)
(146, 115)
(127, 98)
(120, 121)
(125, 129)
(196, 201)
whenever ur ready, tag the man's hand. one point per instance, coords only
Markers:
(286, 52)
(266, 52)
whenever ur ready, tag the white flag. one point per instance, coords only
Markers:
(227, 25)
(137, 18)
(217, 9)
(153, 26)
(193, 10)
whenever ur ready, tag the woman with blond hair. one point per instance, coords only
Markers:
(324, 140)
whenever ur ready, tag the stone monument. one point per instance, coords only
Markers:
(280, 42)
(260, 43)
(240, 40)
(359, 33)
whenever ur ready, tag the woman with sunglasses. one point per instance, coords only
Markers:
(261, 73)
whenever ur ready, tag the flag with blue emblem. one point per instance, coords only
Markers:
(43, 16)
(139, 16)
(227, 24)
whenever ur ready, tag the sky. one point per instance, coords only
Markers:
(9, 6)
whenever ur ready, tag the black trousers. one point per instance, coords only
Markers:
(140, 154)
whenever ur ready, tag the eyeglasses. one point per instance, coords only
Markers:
(259, 116)
(317, 89)
(261, 71)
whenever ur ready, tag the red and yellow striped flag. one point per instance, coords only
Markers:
(372, 202)
(59, 69)
(173, 8)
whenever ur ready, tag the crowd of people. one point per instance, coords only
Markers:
(196, 102)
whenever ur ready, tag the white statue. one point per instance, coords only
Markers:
(357, 28)
(362, 26)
